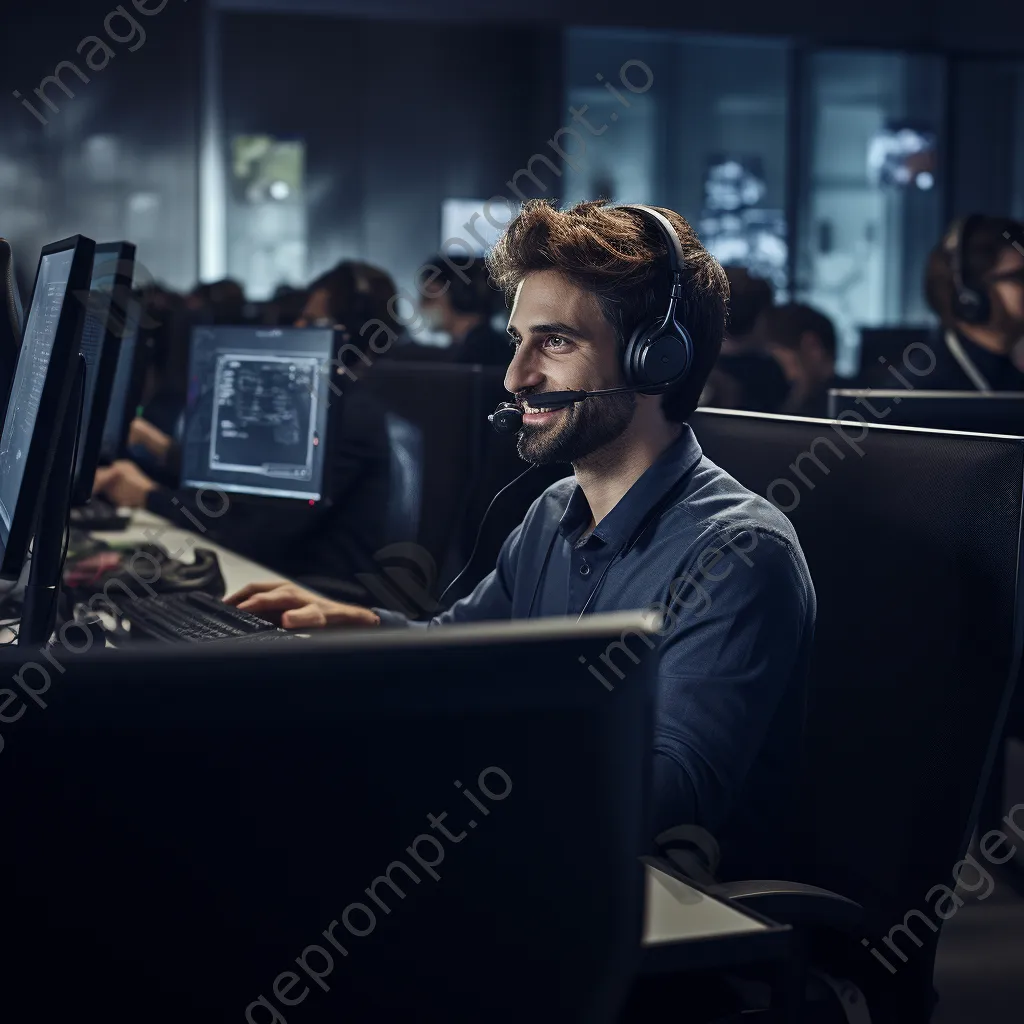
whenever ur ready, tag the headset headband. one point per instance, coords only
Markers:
(956, 246)
(674, 246)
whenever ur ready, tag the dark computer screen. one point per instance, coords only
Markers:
(29, 379)
(113, 427)
(256, 411)
(112, 270)
(971, 411)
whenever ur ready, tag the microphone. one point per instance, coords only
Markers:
(508, 417)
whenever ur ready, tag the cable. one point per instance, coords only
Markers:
(480, 531)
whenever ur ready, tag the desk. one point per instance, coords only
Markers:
(688, 932)
(686, 929)
(147, 528)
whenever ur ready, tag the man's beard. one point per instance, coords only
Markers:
(583, 429)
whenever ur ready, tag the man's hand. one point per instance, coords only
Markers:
(296, 608)
(155, 441)
(124, 484)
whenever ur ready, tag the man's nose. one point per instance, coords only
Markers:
(523, 372)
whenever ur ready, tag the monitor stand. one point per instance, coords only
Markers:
(42, 592)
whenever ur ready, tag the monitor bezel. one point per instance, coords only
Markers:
(90, 436)
(54, 399)
(326, 442)
(133, 317)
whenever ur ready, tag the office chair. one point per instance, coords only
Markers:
(405, 443)
(437, 401)
(10, 321)
(913, 542)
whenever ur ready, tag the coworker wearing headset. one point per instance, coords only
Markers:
(974, 282)
(601, 296)
(459, 301)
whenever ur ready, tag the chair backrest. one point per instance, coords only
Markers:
(438, 401)
(912, 537)
(10, 322)
(882, 346)
(406, 449)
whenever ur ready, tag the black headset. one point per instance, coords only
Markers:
(658, 355)
(969, 305)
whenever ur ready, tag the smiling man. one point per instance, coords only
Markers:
(627, 300)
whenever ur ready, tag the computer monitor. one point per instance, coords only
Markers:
(47, 364)
(256, 413)
(882, 346)
(10, 320)
(462, 810)
(993, 413)
(123, 390)
(112, 271)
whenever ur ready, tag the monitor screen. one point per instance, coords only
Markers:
(256, 411)
(112, 269)
(29, 379)
(113, 426)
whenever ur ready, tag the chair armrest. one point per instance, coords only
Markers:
(794, 903)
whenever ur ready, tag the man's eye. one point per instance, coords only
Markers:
(554, 341)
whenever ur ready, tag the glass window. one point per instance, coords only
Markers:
(870, 189)
(266, 219)
(988, 137)
(706, 135)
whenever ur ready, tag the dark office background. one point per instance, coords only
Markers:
(266, 140)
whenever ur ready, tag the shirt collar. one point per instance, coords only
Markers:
(625, 519)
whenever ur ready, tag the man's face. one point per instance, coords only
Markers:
(564, 343)
(1006, 284)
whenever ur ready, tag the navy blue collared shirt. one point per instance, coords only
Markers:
(724, 567)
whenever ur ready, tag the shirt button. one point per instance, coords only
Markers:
(584, 569)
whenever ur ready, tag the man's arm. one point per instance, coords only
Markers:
(734, 634)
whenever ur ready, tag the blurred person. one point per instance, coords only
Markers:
(974, 282)
(745, 377)
(751, 381)
(285, 306)
(164, 338)
(749, 297)
(459, 301)
(220, 303)
(803, 341)
(329, 545)
(637, 520)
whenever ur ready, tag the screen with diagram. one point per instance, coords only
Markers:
(256, 415)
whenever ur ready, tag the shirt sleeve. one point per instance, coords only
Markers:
(490, 600)
(733, 638)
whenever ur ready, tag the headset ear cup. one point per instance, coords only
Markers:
(632, 361)
(657, 359)
(972, 307)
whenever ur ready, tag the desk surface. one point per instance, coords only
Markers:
(147, 528)
(676, 912)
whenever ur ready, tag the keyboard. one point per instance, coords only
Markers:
(195, 617)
